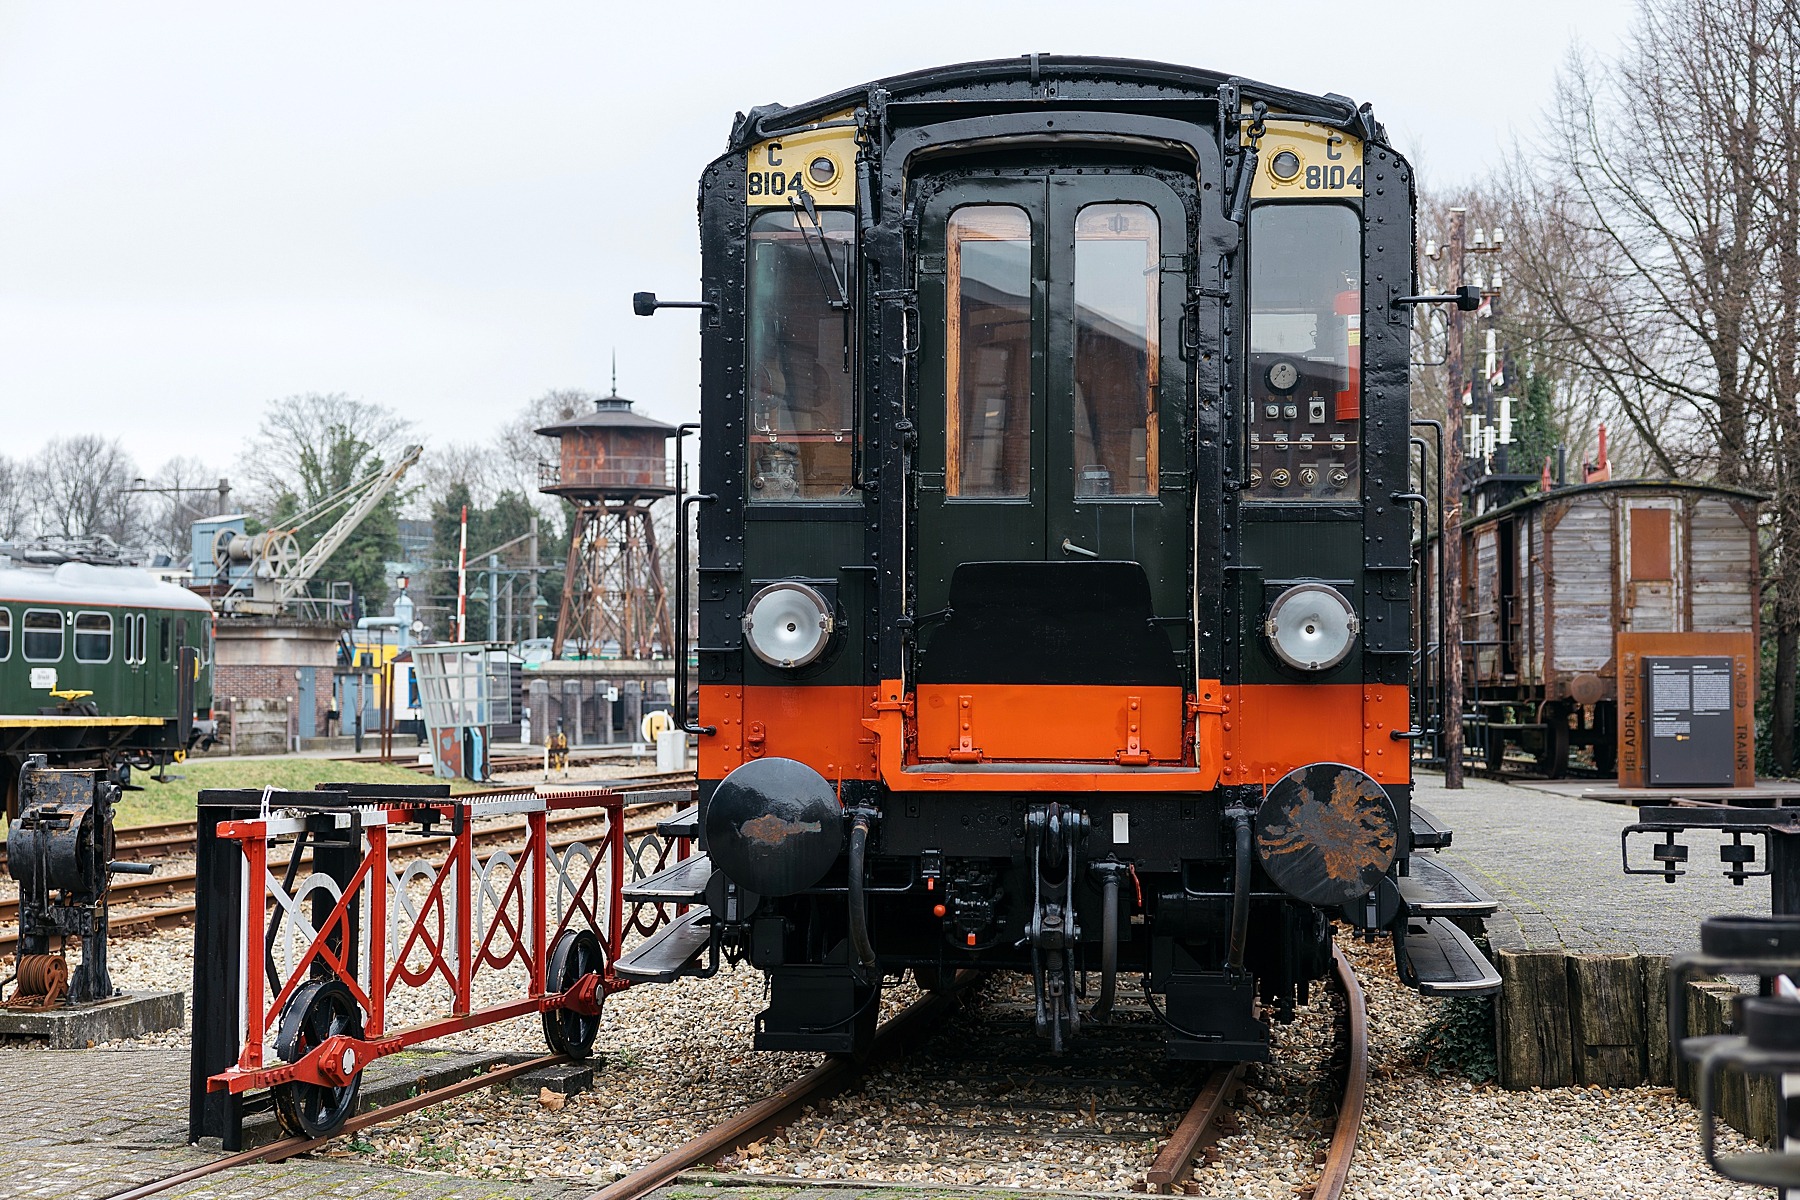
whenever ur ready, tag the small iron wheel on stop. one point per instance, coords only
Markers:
(316, 1011)
(577, 953)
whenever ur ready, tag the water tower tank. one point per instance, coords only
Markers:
(610, 453)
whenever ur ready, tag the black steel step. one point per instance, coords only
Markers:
(683, 883)
(1431, 889)
(667, 954)
(1447, 962)
(686, 823)
(1428, 833)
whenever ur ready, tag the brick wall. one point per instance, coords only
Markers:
(246, 682)
(262, 682)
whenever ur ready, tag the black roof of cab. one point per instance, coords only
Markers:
(1025, 78)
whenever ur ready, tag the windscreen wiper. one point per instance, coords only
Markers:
(814, 233)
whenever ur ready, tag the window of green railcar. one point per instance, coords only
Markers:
(43, 640)
(5, 634)
(801, 402)
(162, 639)
(93, 637)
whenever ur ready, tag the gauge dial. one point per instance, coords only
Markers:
(1283, 375)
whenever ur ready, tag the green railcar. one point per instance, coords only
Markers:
(100, 666)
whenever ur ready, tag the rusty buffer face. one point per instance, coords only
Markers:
(1326, 834)
(774, 826)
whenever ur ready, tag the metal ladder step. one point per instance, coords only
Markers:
(685, 823)
(1434, 890)
(1447, 962)
(1428, 833)
(683, 883)
(666, 955)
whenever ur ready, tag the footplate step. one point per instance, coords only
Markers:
(1447, 962)
(683, 883)
(666, 956)
(1432, 889)
(1428, 833)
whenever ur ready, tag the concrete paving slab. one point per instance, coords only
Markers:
(1552, 860)
(84, 1124)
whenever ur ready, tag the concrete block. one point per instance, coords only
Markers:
(565, 1079)
(76, 1028)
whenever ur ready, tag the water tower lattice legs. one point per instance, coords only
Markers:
(614, 588)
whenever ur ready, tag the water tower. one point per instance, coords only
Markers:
(613, 465)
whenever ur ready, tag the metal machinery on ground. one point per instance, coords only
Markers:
(1566, 590)
(301, 978)
(1763, 1040)
(100, 666)
(1055, 553)
(60, 850)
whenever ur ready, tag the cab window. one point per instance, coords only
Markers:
(1305, 363)
(163, 640)
(5, 634)
(43, 635)
(799, 371)
(987, 361)
(1118, 260)
(93, 637)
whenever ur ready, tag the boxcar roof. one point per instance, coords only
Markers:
(1617, 485)
(1017, 79)
(75, 584)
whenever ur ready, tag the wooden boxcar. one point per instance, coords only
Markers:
(100, 666)
(1550, 580)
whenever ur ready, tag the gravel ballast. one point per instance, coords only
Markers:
(676, 1059)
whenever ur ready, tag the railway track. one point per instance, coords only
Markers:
(1005, 1098)
(1171, 1171)
(178, 837)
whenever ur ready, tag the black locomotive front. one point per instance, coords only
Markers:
(1055, 566)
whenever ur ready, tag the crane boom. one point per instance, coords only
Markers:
(282, 571)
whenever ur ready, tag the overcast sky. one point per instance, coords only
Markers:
(444, 207)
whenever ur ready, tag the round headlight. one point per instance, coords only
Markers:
(1311, 627)
(787, 624)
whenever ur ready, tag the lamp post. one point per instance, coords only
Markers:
(1457, 246)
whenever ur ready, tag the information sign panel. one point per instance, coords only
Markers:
(1690, 730)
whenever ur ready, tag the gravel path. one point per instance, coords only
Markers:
(677, 1059)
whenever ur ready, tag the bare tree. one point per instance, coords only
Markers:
(522, 448)
(480, 468)
(169, 515)
(1664, 259)
(289, 454)
(80, 483)
(15, 502)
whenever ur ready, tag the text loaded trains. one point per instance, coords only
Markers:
(1055, 553)
(101, 666)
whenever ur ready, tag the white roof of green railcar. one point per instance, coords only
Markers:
(76, 584)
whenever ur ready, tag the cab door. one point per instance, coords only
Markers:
(1051, 499)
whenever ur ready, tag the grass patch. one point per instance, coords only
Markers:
(176, 799)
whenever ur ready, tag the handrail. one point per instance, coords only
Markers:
(1437, 492)
(682, 500)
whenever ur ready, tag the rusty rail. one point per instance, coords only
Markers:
(287, 1148)
(1350, 1111)
(781, 1109)
(1174, 1164)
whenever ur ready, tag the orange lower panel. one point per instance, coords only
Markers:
(1271, 728)
(819, 726)
(998, 722)
(1263, 732)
